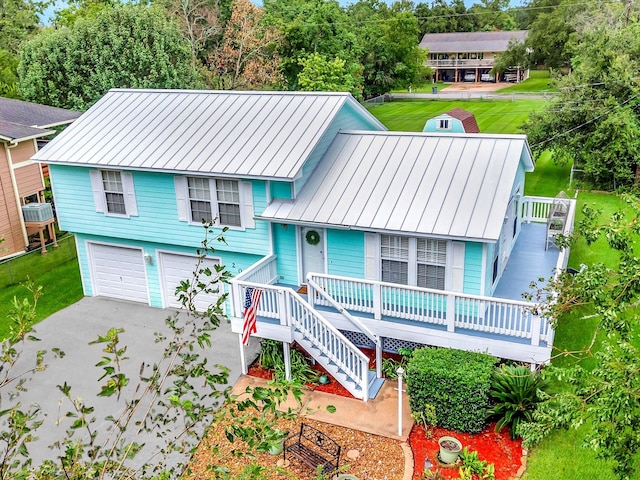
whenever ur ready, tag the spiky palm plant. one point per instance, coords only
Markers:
(514, 389)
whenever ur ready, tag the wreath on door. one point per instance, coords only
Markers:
(312, 237)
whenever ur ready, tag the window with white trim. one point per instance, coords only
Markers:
(444, 124)
(410, 261)
(432, 262)
(113, 192)
(211, 199)
(394, 253)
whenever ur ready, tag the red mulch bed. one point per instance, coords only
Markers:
(496, 448)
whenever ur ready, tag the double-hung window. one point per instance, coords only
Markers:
(227, 202)
(114, 193)
(432, 262)
(413, 261)
(394, 253)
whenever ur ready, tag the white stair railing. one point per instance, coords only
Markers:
(354, 321)
(328, 344)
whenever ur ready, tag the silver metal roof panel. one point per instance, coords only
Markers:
(436, 184)
(245, 134)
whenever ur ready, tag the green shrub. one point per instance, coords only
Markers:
(272, 358)
(514, 389)
(455, 382)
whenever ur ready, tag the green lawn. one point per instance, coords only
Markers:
(561, 456)
(493, 116)
(538, 82)
(57, 272)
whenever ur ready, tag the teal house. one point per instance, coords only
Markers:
(356, 236)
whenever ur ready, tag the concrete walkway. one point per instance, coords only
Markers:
(71, 330)
(378, 416)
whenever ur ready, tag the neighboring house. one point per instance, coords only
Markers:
(455, 120)
(470, 56)
(22, 124)
(399, 238)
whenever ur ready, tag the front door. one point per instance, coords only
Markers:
(312, 242)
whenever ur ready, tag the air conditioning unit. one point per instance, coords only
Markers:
(37, 212)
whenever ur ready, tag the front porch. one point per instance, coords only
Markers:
(338, 314)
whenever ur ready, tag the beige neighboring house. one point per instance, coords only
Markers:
(22, 125)
(470, 56)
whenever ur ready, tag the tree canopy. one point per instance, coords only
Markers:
(594, 121)
(127, 47)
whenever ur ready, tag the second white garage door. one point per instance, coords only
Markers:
(175, 268)
(118, 272)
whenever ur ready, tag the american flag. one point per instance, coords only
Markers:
(251, 300)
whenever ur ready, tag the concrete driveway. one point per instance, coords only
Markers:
(71, 330)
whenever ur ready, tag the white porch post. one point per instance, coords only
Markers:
(377, 301)
(535, 330)
(282, 308)
(451, 312)
(243, 358)
(286, 348)
(379, 358)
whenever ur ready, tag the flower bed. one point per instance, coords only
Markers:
(496, 448)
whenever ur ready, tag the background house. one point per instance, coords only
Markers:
(470, 56)
(399, 236)
(455, 120)
(22, 124)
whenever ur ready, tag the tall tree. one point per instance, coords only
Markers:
(8, 75)
(390, 55)
(595, 119)
(75, 9)
(319, 26)
(320, 74)
(127, 46)
(201, 23)
(491, 15)
(18, 22)
(443, 17)
(247, 57)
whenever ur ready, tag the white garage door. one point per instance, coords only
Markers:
(176, 268)
(118, 272)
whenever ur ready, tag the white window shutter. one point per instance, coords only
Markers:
(457, 266)
(371, 256)
(247, 205)
(99, 199)
(182, 197)
(130, 204)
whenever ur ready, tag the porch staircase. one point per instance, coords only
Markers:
(332, 350)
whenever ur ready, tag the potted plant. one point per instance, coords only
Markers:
(450, 448)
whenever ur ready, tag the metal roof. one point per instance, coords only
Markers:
(435, 184)
(34, 114)
(471, 41)
(244, 134)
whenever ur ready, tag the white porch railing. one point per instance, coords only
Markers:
(536, 209)
(509, 318)
(291, 310)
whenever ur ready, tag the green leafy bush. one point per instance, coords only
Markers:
(514, 389)
(455, 382)
(272, 358)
